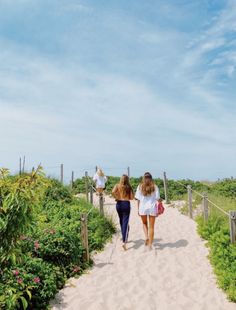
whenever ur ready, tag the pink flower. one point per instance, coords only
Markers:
(16, 272)
(36, 245)
(36, 280)
(19, 280)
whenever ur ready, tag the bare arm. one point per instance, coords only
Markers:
(115, 191)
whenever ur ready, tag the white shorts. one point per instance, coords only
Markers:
(152, 210)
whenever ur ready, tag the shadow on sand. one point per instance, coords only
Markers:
(158, 245)
(177, 244)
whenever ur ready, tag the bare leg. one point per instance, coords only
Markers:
(145, 227)
(151, 229)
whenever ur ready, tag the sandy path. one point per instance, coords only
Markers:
(176, 275)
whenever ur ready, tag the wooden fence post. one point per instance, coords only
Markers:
(86, 185)
(72, 179)
(101, 204)
(128, 171)
(23, 165)
(232, 225)
(62, 173)
(205, 207)
(165, 187)
(91, 193)
(190, 201)
(84, 235)
(20, 166)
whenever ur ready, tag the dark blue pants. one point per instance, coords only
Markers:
(123, 210)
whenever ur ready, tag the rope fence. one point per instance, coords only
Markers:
(205, 203)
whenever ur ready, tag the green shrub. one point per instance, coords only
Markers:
(222, 253)
(30, 285)
(46, 245)
(225, 188)
(57, 192)
(18, 198)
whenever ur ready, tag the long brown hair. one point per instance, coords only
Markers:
(147, 185)
(124, 186)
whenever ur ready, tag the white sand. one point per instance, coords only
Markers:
(176, 275)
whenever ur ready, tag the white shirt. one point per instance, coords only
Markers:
(100, 181)
(147, 204)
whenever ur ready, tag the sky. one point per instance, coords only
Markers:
(145, 84)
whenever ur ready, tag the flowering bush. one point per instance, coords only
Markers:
(30, 285)
(45, 246)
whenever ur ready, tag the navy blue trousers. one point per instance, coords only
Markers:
(123, 210)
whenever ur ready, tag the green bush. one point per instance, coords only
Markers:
(19, 196)
(225, 188)
(222, 253)
(29, 285)
(46, 249)
(57, 192)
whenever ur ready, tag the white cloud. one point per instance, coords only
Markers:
(161, 108)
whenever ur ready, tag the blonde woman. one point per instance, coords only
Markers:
(100, 180)
(123, 193)
(147, 195)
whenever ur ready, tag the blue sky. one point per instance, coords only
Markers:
(146, 84)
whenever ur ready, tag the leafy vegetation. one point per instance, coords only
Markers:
(222, 253)
(43, 247)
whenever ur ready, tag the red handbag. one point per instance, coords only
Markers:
(160, 208)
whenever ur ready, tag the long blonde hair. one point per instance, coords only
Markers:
(100, 172)
(124, 186)
(147, 185)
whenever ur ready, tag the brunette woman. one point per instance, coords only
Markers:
(147, 195)
(123, 193)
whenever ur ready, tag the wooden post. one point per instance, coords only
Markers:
(84, 235)
(20, 169)
(23, 166)
(128, 172)
(101, 204)
(205, 207)
(165, 187)
(91, 193)
(86, 185)
(190, 201)
(72, 179)
(62, 173)
(232, 226)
